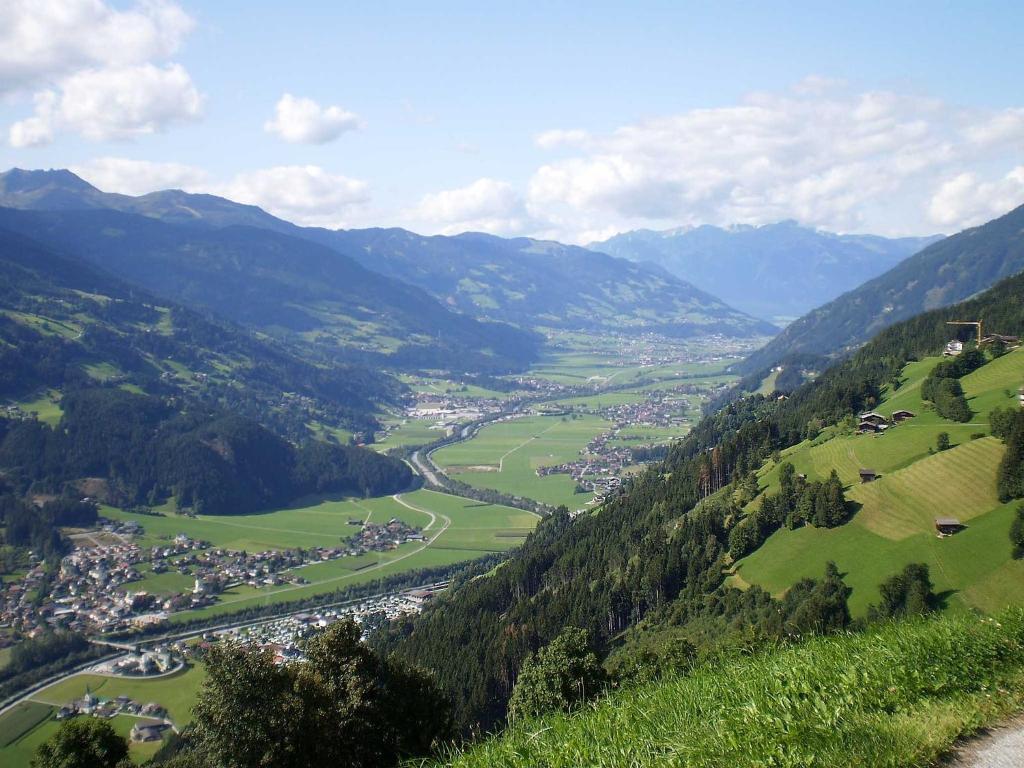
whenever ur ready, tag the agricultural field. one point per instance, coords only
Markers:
(424, 385)
(23, 729)
(409, 432)
(457, 530)
(46, 407)
(894, 521)
(605, 370)
(505, 456)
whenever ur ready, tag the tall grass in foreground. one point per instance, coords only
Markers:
(899, 695)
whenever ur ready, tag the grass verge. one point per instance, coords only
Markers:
(899, 695)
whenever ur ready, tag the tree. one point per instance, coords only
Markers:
(1010, 478)
(559, 676)
(942, 441)
(908, 593)
(344, 705)
(1017, 534)
(817, 607)
(84, 743)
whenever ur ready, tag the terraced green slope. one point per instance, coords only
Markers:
(894, 523)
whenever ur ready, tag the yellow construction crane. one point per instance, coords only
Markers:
(968, 322)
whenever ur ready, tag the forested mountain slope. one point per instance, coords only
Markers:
(771, 271)
(658, 555)
(945, 272)
(526, 282)
(282, 285)
(126, 398)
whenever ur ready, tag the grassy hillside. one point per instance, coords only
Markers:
(284, 286)
(896, 696)
(894, 521)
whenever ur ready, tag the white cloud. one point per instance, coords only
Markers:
(966, 200)
(486, 205)
(114, 103)
(303, 121)
(138, 177)
(818, 153)
(97, 66)
(557, 137)
(304, 194)
(44, 40)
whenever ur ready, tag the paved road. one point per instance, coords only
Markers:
(1000, 748)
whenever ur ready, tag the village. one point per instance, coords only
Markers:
(284, 636)
(92, 590)
(605, 459)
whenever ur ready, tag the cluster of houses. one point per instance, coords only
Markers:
(874, 423)
(92, 591)
(158, 661)
(284, 636)
(375, 537)
(152, 718)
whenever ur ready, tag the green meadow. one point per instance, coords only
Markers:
(46, 406)
(505, 456)
(33, 724)
(457, 529)
(410, 432)
(588, 368)
(894, 520)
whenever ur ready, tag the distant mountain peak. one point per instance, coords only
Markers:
(776, 271)
(22, 180)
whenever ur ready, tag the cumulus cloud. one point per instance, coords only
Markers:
(303, 121)
(115, 103)
(42, 40)
(97, 66)
(965, 200)
(304, 194)
(818, 153)
(138, 177)
(486, 205)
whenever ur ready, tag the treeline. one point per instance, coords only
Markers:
(146, 451)
(27, 526)
(942, 385)
(798, 502)
(1008, 424)
(37, 658)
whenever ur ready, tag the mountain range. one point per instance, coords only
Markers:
(946, 272)
(528, 283)
(776, 271)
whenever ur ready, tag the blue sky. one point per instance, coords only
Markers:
(565, 120)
